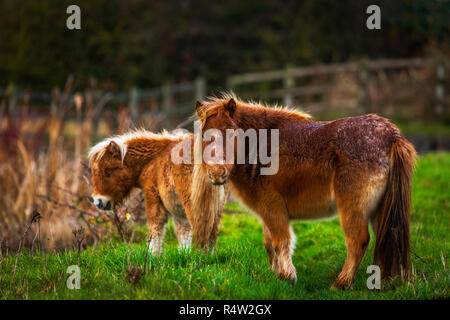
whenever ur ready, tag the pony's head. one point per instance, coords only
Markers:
(112, 178)
(216, 116)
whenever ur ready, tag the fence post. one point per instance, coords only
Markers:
(167, 96)
(54, 103)
(363, 99)
(230, 84)
(134, 103)
(12, 101)
(200, 88)
(440, 88)
(288, 82)
(27, 99)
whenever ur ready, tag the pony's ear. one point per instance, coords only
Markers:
(199, 110)
(230, 107)
(114, 149)
(198, 107)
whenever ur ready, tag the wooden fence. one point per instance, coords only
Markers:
(294, 85)
(317, 87)
(171, 102)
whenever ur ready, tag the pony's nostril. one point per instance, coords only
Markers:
(108, 205)
(100, 204)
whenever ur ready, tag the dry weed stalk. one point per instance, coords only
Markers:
(134, 275)
(36, 216)
(43, 166)
(78, 240)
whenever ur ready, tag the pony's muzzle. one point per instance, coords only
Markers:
(218, 177)
(102, 203)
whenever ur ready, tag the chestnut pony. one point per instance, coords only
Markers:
(359, 166)
(143, 159)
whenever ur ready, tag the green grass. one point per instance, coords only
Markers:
(239, 268)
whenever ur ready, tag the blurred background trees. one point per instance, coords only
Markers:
(146, 43)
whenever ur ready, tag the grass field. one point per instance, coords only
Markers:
(239, 268)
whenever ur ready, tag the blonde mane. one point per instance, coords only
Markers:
(207, 202)
(122, 141)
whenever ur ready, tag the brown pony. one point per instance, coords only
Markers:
(360, 167)
(143, 159)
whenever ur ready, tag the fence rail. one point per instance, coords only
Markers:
(290, 75)
(323, 69)
(286, 84)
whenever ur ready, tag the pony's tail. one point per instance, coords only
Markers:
(392, 248)
(207, 201)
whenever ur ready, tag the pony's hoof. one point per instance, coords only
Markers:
(341, 285)
(292, 278)
(275, 268)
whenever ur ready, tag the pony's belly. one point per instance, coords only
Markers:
(325, 212)
(172, 203)
(177, 210)
(302, 209)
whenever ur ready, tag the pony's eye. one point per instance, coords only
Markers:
(109, 174)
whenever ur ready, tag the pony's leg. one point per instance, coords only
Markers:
(157, 233)
(358, 197)
(356, 238)
(157, 217)
(353, 214)
(282, 243)
(273, 261)
(214, 233)
(183, 232)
